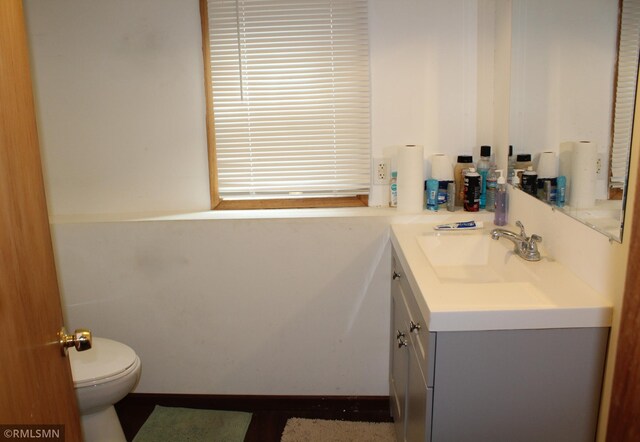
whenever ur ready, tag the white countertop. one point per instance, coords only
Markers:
(556, 298)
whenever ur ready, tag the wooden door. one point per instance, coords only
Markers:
(36, 386)
(624, 415)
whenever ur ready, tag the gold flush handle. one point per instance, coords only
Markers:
(80, 339)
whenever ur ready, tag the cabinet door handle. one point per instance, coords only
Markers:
(396, 275)
(402, 342)
(414, 326)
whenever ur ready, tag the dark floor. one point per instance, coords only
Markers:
(270, 413)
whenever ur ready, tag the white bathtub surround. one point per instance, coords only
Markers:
(236, 306)
(240, 306)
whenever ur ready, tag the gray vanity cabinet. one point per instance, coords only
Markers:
(497, 385)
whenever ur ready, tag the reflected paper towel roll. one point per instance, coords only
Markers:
(547, 165)
(410, 165)
(584, 160)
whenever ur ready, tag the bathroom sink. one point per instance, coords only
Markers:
(472, 257)
(468, 281)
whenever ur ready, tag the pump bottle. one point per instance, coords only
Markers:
(500, 217)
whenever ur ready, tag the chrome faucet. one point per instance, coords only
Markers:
(526, 247)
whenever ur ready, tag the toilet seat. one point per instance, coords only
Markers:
(106, 361)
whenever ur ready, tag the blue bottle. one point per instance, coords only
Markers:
(432, 194)
(484, 164)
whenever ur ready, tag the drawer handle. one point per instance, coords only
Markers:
(396, 275)
(414, 327)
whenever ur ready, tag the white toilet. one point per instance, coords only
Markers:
(102, 376)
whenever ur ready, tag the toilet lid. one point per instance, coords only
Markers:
(106, 358)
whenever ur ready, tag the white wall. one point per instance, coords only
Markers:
(119, 92)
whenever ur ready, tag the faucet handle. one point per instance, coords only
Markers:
(522, 232)
(531, 246)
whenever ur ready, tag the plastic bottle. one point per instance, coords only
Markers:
(492, 184)
(523, 161)
(511, 165)
(443, 193)
(547, 190)
(442, 170)
(464, 162)
(515, 179)
(432, 194)
(483, 169)
(472, 181)
(530, 181)
(561, 191)
(393, 188)
(500, 217)
(451, 197)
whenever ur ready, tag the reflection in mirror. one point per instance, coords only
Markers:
(573, 86)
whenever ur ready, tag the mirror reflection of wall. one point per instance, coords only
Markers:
(563, 77)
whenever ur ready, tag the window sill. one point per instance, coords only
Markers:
(347, 212)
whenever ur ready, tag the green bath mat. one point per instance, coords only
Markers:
(188, 424)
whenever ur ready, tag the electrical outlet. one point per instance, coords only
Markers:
(381, 171)
(600, 169)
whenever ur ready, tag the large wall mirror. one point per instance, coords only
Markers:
(574, 66)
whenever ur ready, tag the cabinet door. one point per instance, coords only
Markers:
(423, 341)
(419, 403)
(399, 365)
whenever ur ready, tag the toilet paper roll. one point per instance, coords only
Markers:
(410, 166)
(548, 165)
(584, 160)
(441, 168)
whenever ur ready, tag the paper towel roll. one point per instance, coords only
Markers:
(583, 175)
(441, 168)
(410, 165)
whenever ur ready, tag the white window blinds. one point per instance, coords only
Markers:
(625, 93)
(290, 82)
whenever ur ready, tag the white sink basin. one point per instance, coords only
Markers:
(472, 257)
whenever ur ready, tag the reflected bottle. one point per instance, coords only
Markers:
(530, 182)
(523, 162)
(484, 165)
(561, 191)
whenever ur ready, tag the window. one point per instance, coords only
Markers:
(288, 102)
